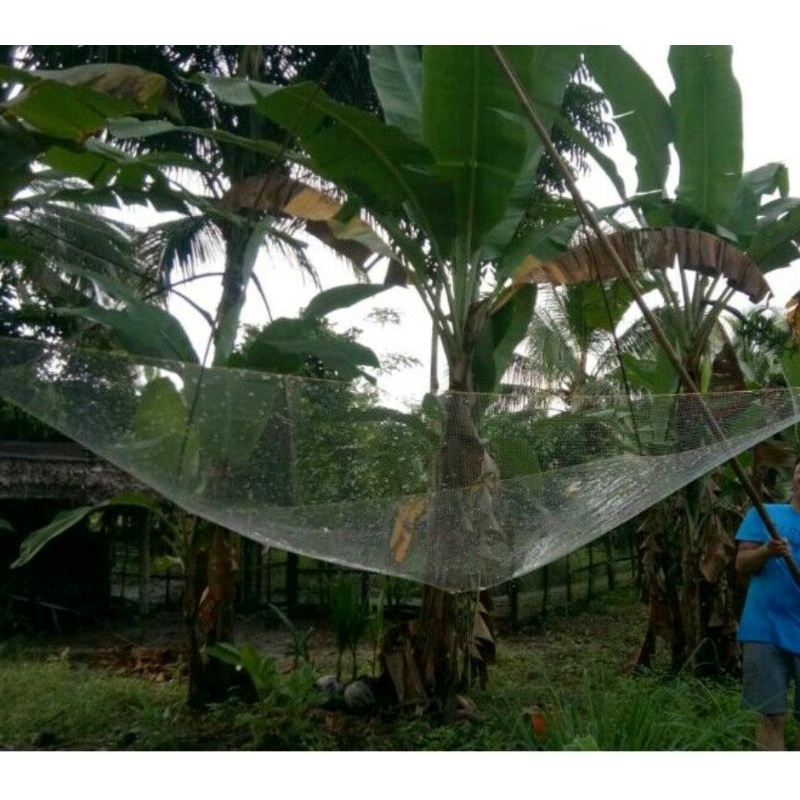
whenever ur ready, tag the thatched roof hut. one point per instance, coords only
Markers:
(59, 471)
(73, 573)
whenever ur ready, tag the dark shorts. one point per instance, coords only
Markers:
(767, 672)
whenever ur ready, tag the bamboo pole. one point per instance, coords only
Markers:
(586, 213)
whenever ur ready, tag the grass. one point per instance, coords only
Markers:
(55, 705)
(569, 668)
(648, 713)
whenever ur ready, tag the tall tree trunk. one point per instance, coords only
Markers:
(444, 642)
(210, 612)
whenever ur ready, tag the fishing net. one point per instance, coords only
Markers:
(467, 491)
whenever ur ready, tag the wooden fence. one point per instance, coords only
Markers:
(301, 586)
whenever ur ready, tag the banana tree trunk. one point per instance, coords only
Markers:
(690, 579)
(660, 583)
(209, 608)
(445, 634)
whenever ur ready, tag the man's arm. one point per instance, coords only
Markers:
(751, 556)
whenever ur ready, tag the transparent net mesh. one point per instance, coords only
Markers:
(467, 492)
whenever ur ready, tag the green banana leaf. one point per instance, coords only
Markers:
(76, 103)
(283, 346)
(396, 72)
(142, 328)
(641, 112)
(473, 124)
(133, 128)
(62, 522)
(340, 297)
(375, 162)
(765, 180)
(707, 106)
(775, 245)
(509, 325)
(163, 440)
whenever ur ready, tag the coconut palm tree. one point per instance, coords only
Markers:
(571, 348)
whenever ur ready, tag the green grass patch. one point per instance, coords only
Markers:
(53, 704)
(570, 668)
(642, 713)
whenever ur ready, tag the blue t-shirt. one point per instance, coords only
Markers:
(772, 608)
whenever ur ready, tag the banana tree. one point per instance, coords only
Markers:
(446, 176)
(717, 224)
(690, 598)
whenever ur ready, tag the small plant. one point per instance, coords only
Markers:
(349, 618)
(261, 670)
(299, 647)
(280, 717)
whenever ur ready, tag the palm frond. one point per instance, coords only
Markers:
(185, 244)
(59, 244)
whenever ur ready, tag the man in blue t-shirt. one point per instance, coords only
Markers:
(769, 629)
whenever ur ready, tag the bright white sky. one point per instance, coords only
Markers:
(770, 123)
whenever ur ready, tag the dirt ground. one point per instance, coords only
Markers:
(609, 632)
